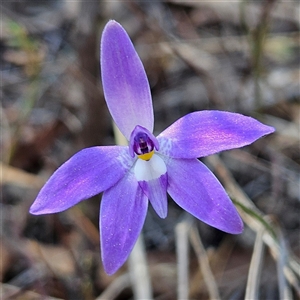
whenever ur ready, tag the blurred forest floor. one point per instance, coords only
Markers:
(240, 56)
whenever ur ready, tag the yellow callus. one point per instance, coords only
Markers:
(146, 156)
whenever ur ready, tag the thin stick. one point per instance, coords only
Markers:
(254, 274)
(204, 264)
(182, 249)
(284, 289)
(139, 274)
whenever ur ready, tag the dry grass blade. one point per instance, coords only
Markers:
(56, 259)
(115, 288)
(182, 251)
(291, 269)
(18, 177)
(5, 137)
(284, 289)
(204, 264)
(254, 275)
(8, 291)
(85, 225)
(119, 137)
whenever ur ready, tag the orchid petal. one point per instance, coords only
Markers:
(125, 84)
(156, 191)
(87, 173)
(204, 133)
(193, 187)
(122, 215)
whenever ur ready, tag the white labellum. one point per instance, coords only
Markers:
(151, 169)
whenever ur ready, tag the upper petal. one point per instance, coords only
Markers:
(87, 173)
(125, 84)
(193, 187)
(122, 215)
(204, 133)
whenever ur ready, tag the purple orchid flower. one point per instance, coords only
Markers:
(150, 167)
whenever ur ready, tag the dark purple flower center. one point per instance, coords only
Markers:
(142, 144)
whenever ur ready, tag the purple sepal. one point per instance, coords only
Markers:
(87, 173)
(156, 191)
(125, 84)
(122, 215)
(194, 187)
(204, 133)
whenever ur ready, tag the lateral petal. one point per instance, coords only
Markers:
(125, 84)
(87, 173)
(193, 187)
(204, 133)
(122, 215)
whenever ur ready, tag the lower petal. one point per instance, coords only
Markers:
(122, 215)
(152, 177)
(193, 187)
(156, 191)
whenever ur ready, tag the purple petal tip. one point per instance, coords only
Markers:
(125, 84)
(237, 228)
